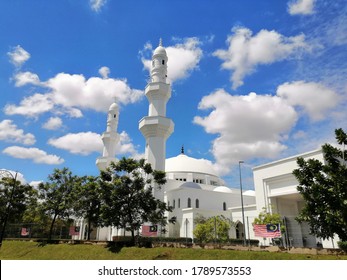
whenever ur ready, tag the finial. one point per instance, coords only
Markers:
(160, 42)
(182, 150)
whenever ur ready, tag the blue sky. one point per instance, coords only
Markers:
(251, 80)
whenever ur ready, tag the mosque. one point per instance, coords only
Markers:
(194, 188)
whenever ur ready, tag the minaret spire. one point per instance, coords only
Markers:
(110, 138)
(156, 127)
(160, 42)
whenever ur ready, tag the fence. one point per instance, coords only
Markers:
(35, 231)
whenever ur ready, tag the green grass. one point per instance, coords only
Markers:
(24, 250)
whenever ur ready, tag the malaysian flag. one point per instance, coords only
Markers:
(74, 230)
(269, 230)
(149, 231)
(24, 231)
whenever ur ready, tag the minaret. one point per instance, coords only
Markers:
(110, 138)
(156, 127)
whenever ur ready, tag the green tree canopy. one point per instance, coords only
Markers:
(211, 229)
(58, 195)
(323, 186)
(128, 199)
(88, 205)
(14, 199)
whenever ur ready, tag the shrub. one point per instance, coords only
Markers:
(342, 245)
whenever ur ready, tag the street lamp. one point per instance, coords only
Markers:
(242, 208)
(8, 208)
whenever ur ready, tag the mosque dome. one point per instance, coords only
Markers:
(223, 189)
(185, 164)
(191, 185)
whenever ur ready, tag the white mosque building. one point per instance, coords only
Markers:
(194, 188)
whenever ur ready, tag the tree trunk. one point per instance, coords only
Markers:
(51, 229)
(89, 229)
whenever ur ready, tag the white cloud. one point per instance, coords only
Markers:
(314, 98)
(95, 93)
(126, 147)
(31, 106)
(246, 51)
(18, 56)
(53, 123)
(183, 58)
(104, 72)
(96, 5)
(83, 143)
(10, 132)
(35, 154)
(24, 78)
(247, 126)
(69, 92)
(301, 7)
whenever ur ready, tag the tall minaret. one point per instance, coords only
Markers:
(110, 138)
(156, 127)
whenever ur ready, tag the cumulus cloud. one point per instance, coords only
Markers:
(247, 126)
(85, 143)
(34, 154)
(245, 51)
(11, 133)
(183, 58)
(104, 72)
(18, 56)
(53, 123)
(24, 78)
(301, 7)
(82, 143)
(315, 98)
(31, 106)
(96, 5)
(93, 93)
(68, 93)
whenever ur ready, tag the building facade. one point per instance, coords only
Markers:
(193, 187)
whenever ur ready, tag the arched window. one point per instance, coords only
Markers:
(174, 204)
(189, 203)
(224, 206)
(196, 203)
(179, 203)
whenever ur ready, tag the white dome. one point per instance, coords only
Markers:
(114, 106)
(183, 163)
(222, 189)
(191, 185)
(249, 192)
(160, 50)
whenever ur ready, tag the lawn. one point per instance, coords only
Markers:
(24, 250)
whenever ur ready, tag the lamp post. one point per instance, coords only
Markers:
(242, 208)
(8, 208)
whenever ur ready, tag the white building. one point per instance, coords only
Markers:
(276, 190)
(194, 188)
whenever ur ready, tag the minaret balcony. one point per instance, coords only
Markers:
(158, 90)
(156, 126)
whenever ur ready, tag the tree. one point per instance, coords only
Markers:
(324, 189)
(213, 228)
(58, 195)
(88, 205)
(14, 199)
(265, 218)
(128, 200)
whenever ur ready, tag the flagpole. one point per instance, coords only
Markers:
(242, 208)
